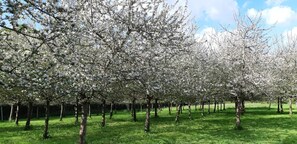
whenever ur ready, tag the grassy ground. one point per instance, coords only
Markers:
(260, 126)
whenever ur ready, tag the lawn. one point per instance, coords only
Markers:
(260, 126)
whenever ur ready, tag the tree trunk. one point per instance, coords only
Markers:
(208, 106)
(140, 107)
(90, 113)
(190, 113)
(214, 105)
(218, 106)
(290, 103)
(45, 132)
(61, 111)
(156, 108)
(278, 107)
(181, 109)
(169, 107)
(84, 118)
(1, 113)
(242, 107)
(76, 110)
(202, 107)
(148, 113)
(103, 120)
(238, 113)
(224, 108)
(37, 112)
(17, 113)
(281, 105)
(11, 112)
(29, 114)
(269, 106)
(134, 110)
(221, 106)
(178, 112)
(111, 110)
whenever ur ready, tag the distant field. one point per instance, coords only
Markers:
(260, 126)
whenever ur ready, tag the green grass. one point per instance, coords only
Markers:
(260, 126)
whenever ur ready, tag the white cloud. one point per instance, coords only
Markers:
(277, 14)
(274, 2)
(221, 11)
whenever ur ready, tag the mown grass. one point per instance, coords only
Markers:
(260, 126)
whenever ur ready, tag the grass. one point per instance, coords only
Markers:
(260, 125)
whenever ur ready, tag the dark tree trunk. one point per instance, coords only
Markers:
(111, 110)
(278, 107)
(202, 107)
(1, 111)
(17, 113)
(238, 113)
(195, 106)
(218, 106)
(134, 110)
(208, 106)
(47, 108)
(269, 106)
(76, 110)
(169, 107)
(29, 114)
(214, 105)
(84, 118)
(190, 113)
(103, 120)
(61, 111)
(281, 105)
(140, 107)
(37, 112)
(178, 112)
(90, 113)
(148, 113)
(156, 108)
(11, 112)
(243, 106)
(224, 108)
(290, 105)
(181, 108)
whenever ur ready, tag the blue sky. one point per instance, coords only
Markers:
(210, 14)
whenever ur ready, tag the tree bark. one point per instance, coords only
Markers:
(148, 113)
(218, 106)
(90, 113)
(242, 107)
(178, 112)
(281, 105)
(238, 113)
(214, 105)
(11, 112)
(269, 106)
(17, 113)
(290, 106)
(61, 111)
(45, 132)
(1, 113)
(37, 112)
(278, 107)
(76, 110)
(224, 108)
(111, 110)
(156, 108)
(208, 106)
(190, 113)
(103, 120)
(84, 118)
(29, 114)
(140, 106)
(221, 106)
(169, 107)
(202, 107)
(134, 110)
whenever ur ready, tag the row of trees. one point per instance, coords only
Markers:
(127, 50)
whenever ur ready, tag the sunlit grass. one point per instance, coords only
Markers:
(260, 126)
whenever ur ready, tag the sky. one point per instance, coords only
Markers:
(210, 15)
